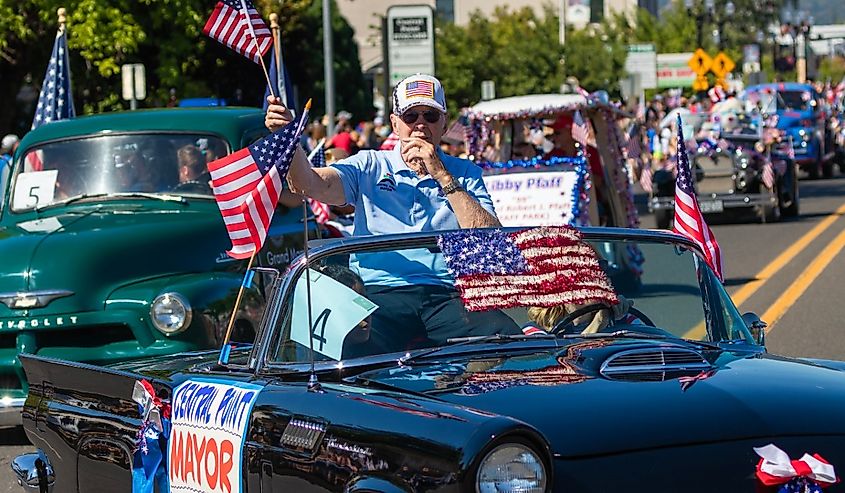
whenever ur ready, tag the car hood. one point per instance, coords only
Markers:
(582, 412)
(93, 250)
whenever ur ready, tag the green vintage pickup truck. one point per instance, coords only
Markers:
(111, 249)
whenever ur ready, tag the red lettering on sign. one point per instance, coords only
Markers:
(194, 457)
(199, 458)
(226, 448)
(175, 456)
(211, 477)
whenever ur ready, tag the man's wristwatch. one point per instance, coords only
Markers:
(452, 186)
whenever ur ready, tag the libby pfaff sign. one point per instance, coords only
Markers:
(542, 198)
(209, 420)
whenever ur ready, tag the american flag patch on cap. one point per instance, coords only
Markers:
(419, 89)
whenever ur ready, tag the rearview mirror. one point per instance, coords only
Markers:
(756, 326)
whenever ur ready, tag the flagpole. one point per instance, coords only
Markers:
(277, 47)
(248, 21)
(224, 349)
(62, 19)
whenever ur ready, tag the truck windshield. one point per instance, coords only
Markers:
(106, 164)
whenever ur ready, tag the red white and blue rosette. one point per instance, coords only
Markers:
(809, 474)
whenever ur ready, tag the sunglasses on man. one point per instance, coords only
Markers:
(411, 117)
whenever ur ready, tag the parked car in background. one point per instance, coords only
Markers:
(683, 379)
(798, 110)
(112, 250)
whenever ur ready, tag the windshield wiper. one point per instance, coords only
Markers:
(84, 196)
(465, 341)
(147, 195)
(69, 200)
(633, 334)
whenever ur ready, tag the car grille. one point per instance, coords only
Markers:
(91, 336)
(652, 364)
(9, 381)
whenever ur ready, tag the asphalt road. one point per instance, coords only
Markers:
(790, 273)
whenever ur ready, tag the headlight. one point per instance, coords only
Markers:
(512, 467)
(170, 313)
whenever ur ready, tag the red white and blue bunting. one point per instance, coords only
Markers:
(149, 469)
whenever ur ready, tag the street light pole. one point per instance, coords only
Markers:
(328, 66)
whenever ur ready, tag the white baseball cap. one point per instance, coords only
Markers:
(8, 141)
(418, 89)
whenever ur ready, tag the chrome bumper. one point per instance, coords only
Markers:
(714, 203)
(10, 411)
(34, 471)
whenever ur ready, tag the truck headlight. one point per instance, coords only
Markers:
(170, 313)
(512, 467)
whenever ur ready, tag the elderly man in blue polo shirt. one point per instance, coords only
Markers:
(414, 187)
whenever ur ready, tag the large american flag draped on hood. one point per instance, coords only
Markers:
(689, 221)
(247, 185)
(544, 266)
(55, 101)
(229, 26)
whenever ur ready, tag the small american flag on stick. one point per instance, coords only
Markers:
(689, 221)
(247, 185)
(579, 129)
(318, 160)
(543, 266)
(229, 26)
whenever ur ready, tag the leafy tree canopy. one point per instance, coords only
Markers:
(166, 36)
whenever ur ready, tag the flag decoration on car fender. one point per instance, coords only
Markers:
(689, 220)
(810, 473)
(247, 185)
(228, 24)
(149, 469)
(543, 266)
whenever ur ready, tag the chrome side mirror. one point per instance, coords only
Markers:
(756, 326)
(34, 472)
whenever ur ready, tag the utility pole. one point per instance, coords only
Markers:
(328, 66)
(562, 22)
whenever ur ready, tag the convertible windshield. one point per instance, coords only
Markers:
(114, 164)
(392, 300)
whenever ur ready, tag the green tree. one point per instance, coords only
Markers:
(518, 50)
(166, 36)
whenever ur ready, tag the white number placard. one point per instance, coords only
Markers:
(335, 311)
(34, 188)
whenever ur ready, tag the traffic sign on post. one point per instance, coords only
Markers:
(722, 65)
(134, 84)
(700, 62)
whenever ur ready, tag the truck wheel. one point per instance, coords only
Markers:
(663, 218)
(827, 169)
(790, 207)
(814, 170)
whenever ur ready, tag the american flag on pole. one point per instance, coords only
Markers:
(646, 178)
(247, 185)
(318, 160)
(768, 176)
(55, 101)
(543, 266)
(390, 142)
(689, 221)
(229, 26)
(579, 129)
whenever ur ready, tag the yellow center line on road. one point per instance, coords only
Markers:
(744, 293)
(791, 295)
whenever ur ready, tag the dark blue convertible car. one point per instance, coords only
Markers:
(671, 390)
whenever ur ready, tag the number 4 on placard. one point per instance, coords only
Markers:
(324, 318)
